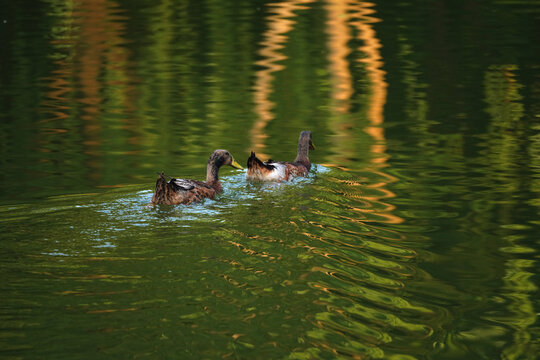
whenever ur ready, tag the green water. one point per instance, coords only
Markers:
(415, 235)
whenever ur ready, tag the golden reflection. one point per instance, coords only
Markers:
(362, 12)
(352, 21)
(279, 23)
(90, 61)
(342, 15)
(58, 88)
(362, 21)
(252, 252)
(338, 46)
(339, 36)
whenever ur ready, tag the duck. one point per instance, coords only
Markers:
(278, 171)
(186, 191)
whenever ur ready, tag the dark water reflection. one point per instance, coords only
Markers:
(413, 237)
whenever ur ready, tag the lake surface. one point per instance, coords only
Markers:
(415, 235)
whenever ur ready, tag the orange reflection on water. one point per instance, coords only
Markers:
(362, 12)
(58, 88)
(279, 23)
(338, 45)
(342, 16)
(88, 39)
(100, 33)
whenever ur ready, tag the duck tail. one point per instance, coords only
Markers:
(162, 179)
(256, 169)
(161, 189)
(253, 161)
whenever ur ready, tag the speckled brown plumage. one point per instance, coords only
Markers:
(185, 191)
(282, 170)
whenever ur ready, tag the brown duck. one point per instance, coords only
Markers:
(271, 170)
(184, 191)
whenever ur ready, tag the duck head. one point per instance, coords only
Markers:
(222, 157)
(305, 139)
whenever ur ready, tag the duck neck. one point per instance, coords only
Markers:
(302, 155)
(212, 175)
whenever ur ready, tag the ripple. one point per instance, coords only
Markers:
(364, 265)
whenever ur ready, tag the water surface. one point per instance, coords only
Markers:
(414, 236)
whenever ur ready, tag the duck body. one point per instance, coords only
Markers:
(187, 191)
(273, 170)
(282, 170)
(182, 191)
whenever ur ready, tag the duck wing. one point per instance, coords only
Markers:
(297, 169)
(180, 191)
(182, 184)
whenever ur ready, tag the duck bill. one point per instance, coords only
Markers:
(236, 165)
(311, 146)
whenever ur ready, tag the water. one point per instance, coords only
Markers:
(415, 235)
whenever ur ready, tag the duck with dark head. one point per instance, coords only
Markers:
(186, 191)
(271, 170)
